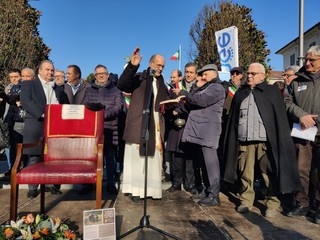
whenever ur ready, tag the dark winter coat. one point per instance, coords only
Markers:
(203, 126)
(15, 113)
(174, 133)
(134, 83)
(272, 110)
(111, 97)
(3, 102)
(33, 100)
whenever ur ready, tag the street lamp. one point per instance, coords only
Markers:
(301, 36)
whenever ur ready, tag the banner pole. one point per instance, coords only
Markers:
(180, 54)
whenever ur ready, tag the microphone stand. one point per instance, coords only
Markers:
(144, 221)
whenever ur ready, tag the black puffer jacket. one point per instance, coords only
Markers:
(111, 97)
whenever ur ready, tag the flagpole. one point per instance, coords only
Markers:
(180, 52)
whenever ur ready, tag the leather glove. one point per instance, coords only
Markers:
(94, 106)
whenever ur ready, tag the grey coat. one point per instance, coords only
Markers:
(303, 98)
(203, 125)
(78, 97)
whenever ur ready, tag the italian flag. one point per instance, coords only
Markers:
(127, 101)
(232, 90)
(175, 56)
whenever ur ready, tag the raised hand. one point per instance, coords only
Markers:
(136, 57)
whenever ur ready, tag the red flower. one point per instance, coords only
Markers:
(70, 235)
(9, 232)
(45, 231)
(36, 235)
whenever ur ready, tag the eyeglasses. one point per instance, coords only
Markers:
(58, 76)
(101, 74)
(253, 73)
(287, 75)
(236, 73)
(312, 60)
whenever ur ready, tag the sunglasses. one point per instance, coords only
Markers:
(237, 73)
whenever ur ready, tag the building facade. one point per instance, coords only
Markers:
(290, 52)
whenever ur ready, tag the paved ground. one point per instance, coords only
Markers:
(175, 214)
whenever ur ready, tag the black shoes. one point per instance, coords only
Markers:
(299, 211)
(167, 178)
(243, 209)
(136, 199)
(32, 193)
(192, 190)
(199, 196)
(210, 201)
(112, 189)
(173, 189)
(53, 190)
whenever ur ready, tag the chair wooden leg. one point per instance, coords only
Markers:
(42, 198)
(14, 193)
(98, 191)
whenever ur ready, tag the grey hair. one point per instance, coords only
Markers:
(314, 50)
(262, 69)
(294, 68)
(60, 70)
(28, 69)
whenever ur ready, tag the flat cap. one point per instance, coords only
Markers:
(237, 69)
(208, 67)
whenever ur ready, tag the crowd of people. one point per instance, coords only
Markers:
(211, 133)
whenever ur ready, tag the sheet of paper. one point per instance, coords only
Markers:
(307, 134)
(99, 224)
(70, 111)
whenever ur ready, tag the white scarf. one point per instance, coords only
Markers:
(49, 91)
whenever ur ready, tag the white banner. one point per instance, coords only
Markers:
(227, 43)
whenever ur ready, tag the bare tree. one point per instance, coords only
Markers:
(220, 15)
(20, 43)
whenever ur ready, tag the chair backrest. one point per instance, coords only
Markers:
(72, 132)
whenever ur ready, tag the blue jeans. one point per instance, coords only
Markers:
(7, 151)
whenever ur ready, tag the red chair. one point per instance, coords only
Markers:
(72, 153)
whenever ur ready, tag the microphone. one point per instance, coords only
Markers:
(152, 72)
(171, 85)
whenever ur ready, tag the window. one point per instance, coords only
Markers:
(293, 59)
(312, 44)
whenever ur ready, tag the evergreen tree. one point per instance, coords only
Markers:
(90, 77)
(220, 15)
(20, 43)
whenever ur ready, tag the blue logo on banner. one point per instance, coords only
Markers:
(226, 53)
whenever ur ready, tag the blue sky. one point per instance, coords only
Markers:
(91, 32)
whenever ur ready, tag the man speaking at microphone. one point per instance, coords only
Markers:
(142, 85)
